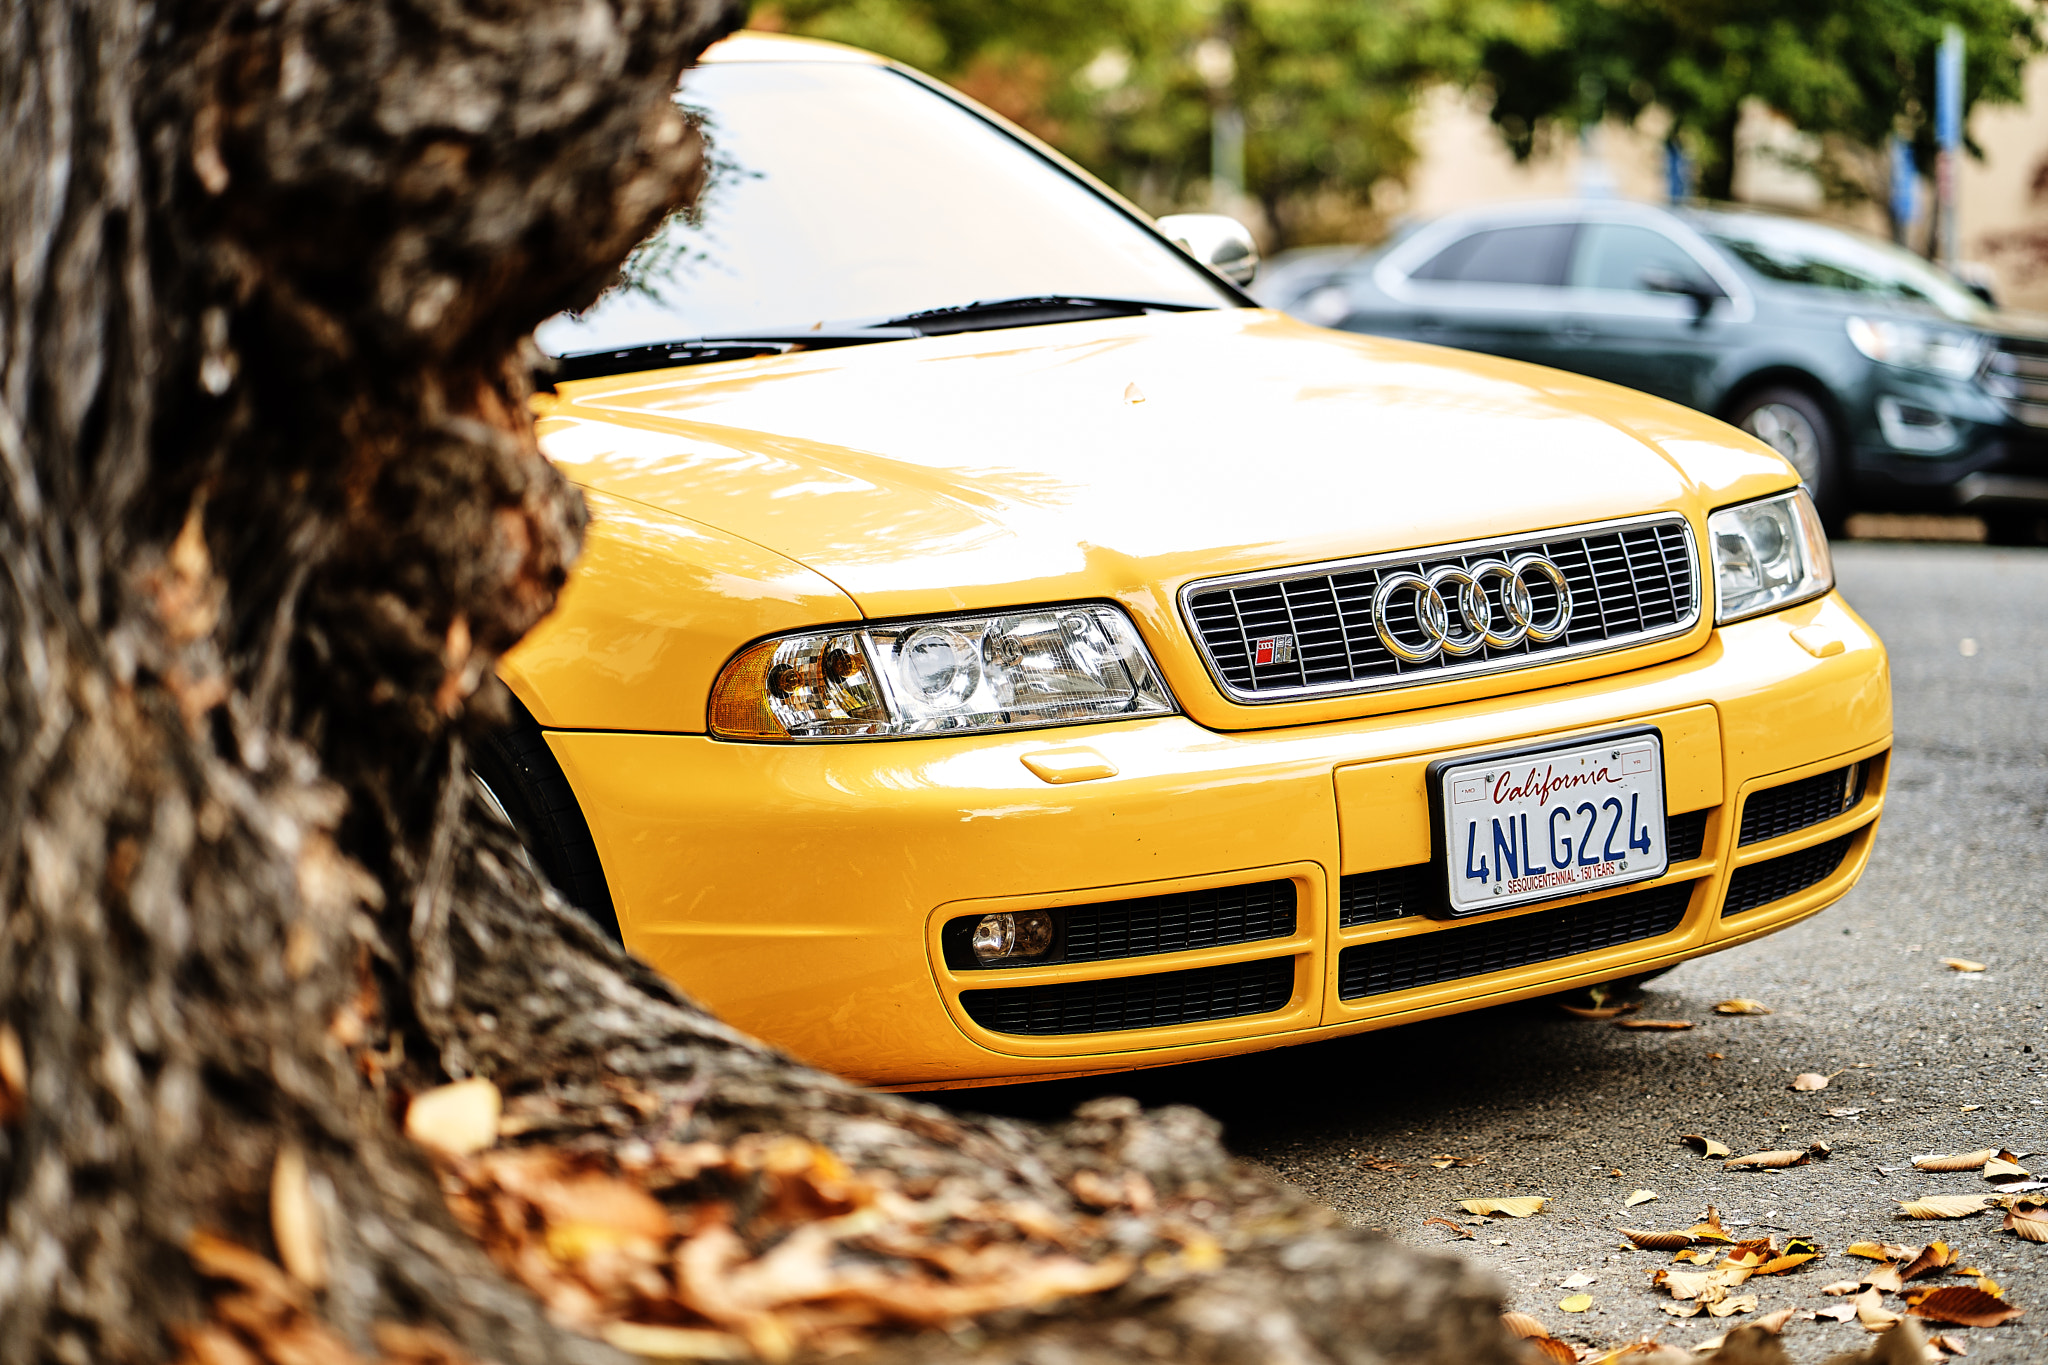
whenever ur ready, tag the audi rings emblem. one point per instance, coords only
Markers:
(1456, 610)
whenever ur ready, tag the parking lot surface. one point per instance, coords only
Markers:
(1923, 1058)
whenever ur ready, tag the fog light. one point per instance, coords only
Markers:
(1009, 936)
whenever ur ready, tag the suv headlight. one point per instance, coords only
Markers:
(1010, 670)
(1912, 346)
(1767, 555)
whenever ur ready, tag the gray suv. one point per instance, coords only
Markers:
(1888, 383)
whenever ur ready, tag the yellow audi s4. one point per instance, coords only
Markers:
(1002, 651)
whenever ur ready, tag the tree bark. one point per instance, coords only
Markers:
(273, 507)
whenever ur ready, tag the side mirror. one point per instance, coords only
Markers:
(1217, 241)
(1704, 294)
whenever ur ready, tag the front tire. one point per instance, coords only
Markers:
(519, 774)
(1793, 423)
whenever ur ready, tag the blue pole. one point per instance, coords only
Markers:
(1905, 188)
(1948, 133)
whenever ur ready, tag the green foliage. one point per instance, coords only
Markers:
(1854, 69)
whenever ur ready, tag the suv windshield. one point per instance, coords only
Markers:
(844, 195)
(1807, 253)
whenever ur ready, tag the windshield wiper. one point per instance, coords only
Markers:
(980, 316)
(1031, 310)
(708, 350)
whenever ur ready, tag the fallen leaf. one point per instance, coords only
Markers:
(1840, 1312)
(1945, 1206)
(1638, 1197)
(1578, 1280)
(1447, 1223)
(1767, 1161)
(1949, 1344)
(1797, 1252)
(295, 1218)
(1709, 1228)
(1697, 1256)
(1550, 1348)
(2004, 1169)
(1933, 1256)
(1885, 1279)
(1694, 1284)
(1664, 1025)
(1384, 1165)
(1577, 1303)
(1962, 964)
(1774, 1323)
(1820, 1149)
(455, 1120)
(1745, 1303)
(1871, 1251)
(1989, 1285)
(1706, 1146)
(1841, 1287)
(1520, 1207)
(1522, 1325)
(1691, 1308)
(1969, 1108)
(653, 1342)
(1963, 1305)
(1843, 1113)
(1658, 1241)
(2030, 1227)
(1965, 1161)
(1812, 1080)
(1741, 1006)
(1872, 1313)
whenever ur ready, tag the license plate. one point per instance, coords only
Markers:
(1549, 822)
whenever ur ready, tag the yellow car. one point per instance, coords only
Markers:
(1001, 651)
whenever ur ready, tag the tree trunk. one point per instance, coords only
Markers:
(273, 507)
(1717, 167)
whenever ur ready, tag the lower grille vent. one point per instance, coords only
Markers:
(1685, 835)
(1795, 805)
(1496, 945)
(1132, 1002)
(1396, 892)
(1761, 883)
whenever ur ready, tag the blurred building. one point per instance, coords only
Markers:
(1464, 162)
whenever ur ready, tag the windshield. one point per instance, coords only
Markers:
(1829, 258)
(844, 193)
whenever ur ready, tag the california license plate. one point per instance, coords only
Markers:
(1541, 823)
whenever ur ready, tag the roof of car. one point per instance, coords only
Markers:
(750, 45)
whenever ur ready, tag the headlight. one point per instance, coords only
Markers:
(1767, 555)
(1008, 671)
(1915, 347)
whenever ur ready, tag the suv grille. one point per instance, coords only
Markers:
(1495, 945)
(1761, 883)
(1630, 584)
(1795, 805)
(1128, 1002)
(2018, 373)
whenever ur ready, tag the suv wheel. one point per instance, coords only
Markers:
(1790, 422)
(521, 779)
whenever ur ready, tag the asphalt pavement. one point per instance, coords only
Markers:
(1929, 1059)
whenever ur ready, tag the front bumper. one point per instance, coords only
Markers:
(799, 891)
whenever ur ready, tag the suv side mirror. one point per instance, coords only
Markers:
(1703, 293)
(1217, 241)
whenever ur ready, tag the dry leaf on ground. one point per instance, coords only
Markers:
(1550, 1348)
(1696, 1284)
(1945, 1206)
(1638, 1197)
(1741, 1006)
(654, 1342)
(1706, 1146)
(2005, 1169)
(1577, 1303)
(1871, 1312)
(455, 1120)
(1843, 1113)
(1949, 1345)
(1841, 1287)
(1690, 1308)
(1768, 1161)
(1601, 1011)
(1466, 1233)
(1520, 1207)
(1774, 1323)
(1958, 1161)
(1885, 1279)
(1722, 1308)
(1658, 1241)
(1578, 1280)
(1962, 1304)
(1812, 1080)
(1523, 1325)
(1664, 1025)
(1871, 1251)
(1962, 964)
(1933, 1256)
(1709, 1228)
(1840, 1312)
(2030, 1224)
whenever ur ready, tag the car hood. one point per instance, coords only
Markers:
(1128, 456)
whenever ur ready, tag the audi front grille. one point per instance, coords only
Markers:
(1289, 634)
